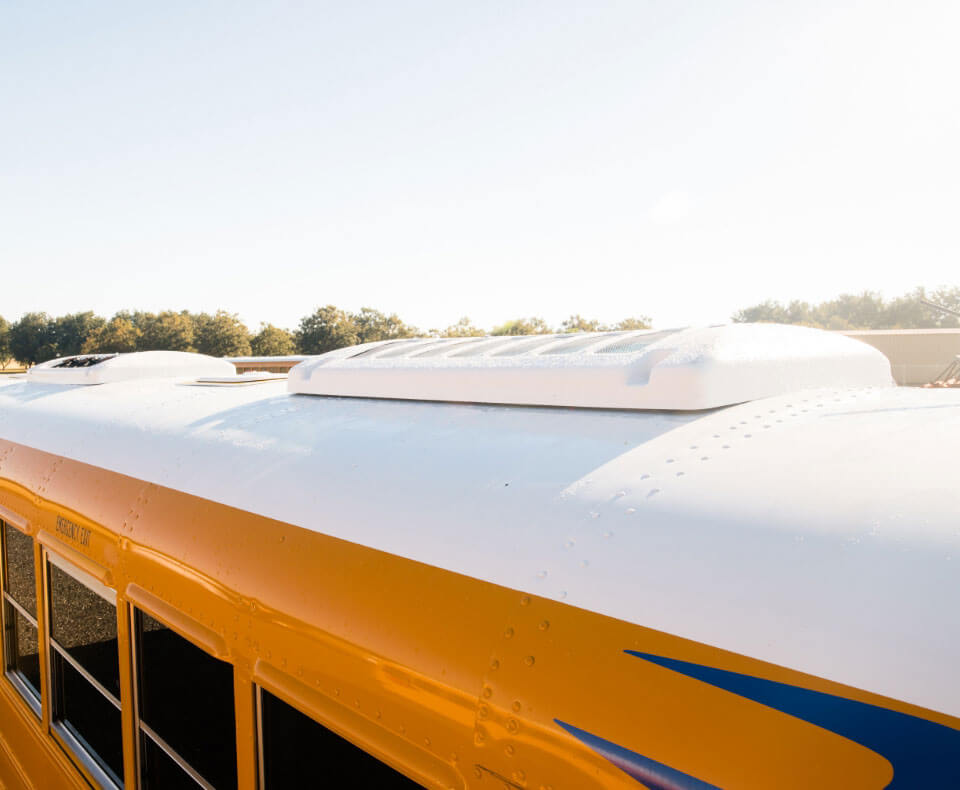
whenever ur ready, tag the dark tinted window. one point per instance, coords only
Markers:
(186, 699)
(18, 612)
(85, 625)
(90, 717)
(298, 753)
(20, 578)
(160, 771)
(23, 652)
(85, 671)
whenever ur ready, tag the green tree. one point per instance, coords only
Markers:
(373, 325)
(117, 336)
(523, 326)
(463, 328)
(272, 341)
(5, 355)
(325, 329)
(166, 331)
(773, 312)
(629, 324)
(222, 334)
(929, 316)
(577, 323)
(70, 332)
(32, 339)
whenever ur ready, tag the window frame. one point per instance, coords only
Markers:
(70, 741)
(259, 687)
(141, 728)
(31, 696)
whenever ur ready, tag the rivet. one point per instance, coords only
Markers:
(525, 601)
(513, 726)
(426, 741)
(516, 706)
(509, 749)
(544, 625)
(487, 692)
(478, 773)
(529, 661)
(519, 776)
(508, 633)
(483, 712)
(494, 664)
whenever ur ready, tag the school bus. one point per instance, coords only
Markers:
(718, 557)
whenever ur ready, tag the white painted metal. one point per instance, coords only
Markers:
(689, 369)
(124, 367)
(815, 530)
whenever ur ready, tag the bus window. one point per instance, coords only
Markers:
(19, 615)
(85, 671)
(298, 752)
(187, 724)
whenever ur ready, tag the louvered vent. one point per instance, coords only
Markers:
(669, 369)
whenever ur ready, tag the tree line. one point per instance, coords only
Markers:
(867, 310)
(37, 337)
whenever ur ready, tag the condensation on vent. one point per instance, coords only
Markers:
(578, 344)
(635, 343)
(525, 345)
(84, 361)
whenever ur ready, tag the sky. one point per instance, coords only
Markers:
(679, 160)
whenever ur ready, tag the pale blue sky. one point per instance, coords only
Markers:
(490, 159)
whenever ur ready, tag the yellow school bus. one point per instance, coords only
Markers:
(718, 557)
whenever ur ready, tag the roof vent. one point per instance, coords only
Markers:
(682, 369)
(108, 368)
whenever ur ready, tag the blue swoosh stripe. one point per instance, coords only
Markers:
(923, 753)
(654, 775)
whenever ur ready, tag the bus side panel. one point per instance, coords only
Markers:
(28, 760)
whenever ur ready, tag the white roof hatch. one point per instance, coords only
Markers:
(107, 368)
(682, 369)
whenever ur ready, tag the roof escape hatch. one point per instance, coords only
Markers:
(109, 368)
(677, 369)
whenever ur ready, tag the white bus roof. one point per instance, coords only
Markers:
(815, 530)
